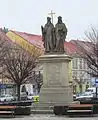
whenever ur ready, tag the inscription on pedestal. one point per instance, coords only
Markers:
(53, 72)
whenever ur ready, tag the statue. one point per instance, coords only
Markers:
(60, 33)
(54, 38)
(47, 35)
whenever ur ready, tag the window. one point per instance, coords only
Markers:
(80, 61)
(33, 86)
(87, 86)
(75, 63)
(23, 88)
(84, 64)
(74, 89)
(75, 74)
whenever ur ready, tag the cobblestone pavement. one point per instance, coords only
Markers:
(49, 117)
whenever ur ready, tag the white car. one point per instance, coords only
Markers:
(35, 98)
(83, 96)
(92, 90)
(6, 97)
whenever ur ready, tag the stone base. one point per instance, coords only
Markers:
(56, 96)
(56, 89)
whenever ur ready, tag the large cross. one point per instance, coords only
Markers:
(51, 13)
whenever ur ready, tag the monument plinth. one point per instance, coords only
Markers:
(56, 89)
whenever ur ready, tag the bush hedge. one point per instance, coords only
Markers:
(23, 111)
(60, 110)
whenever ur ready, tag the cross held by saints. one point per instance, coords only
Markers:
(51, 14)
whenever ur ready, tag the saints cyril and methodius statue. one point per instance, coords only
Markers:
(54, 37)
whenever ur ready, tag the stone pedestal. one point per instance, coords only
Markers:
(56, 89)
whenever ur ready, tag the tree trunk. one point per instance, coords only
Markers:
(39, 87)
(80, 87)
(18, 92)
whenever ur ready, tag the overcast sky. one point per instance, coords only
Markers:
(29, 15)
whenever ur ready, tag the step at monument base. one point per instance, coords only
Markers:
(42, 108)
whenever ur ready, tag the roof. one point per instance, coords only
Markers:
(71, 48)
(36, 40)
(4, 37)
(82, 45)
(33, 39)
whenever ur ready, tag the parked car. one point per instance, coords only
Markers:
(23, 96)
(35, 98)
(6, 97)
(85, 96)
(74, 97)
(30, 97)
(92, 90)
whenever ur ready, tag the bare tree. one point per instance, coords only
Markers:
(19, 65)
(38, 78)
(89, 50)
(79, 80)
(92, 54)
(4, 43)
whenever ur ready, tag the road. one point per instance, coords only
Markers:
(50, 117)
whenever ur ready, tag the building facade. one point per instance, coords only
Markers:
(81, 79)
(77, 67)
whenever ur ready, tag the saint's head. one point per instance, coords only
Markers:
(48, 20)
(59, 19)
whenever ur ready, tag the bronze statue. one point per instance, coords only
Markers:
(60, 33)
(54, 38)
(47, 35)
